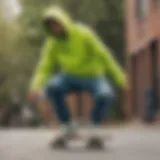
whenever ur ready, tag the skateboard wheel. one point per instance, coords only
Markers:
(58, 144)
(95, 143)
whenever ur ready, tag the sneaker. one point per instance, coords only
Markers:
(68, 132)
(72, 131)
(59, 142)
(95, 139)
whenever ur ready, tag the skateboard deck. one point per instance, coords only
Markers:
(81, 141)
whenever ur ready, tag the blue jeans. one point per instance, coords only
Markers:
(63, 84)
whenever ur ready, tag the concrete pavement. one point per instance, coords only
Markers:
(127, 143)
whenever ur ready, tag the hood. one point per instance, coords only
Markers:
(60, 16)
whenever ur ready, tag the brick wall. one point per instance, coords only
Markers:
(139, 36)
(140, 32)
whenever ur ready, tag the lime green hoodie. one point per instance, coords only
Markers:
(82, 54)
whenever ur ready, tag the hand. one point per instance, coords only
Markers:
(126, 86)
(45, 110)
(33, 96)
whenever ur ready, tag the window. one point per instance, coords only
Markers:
(156, 3)
(141, 8)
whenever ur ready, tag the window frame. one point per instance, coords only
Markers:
(156, 3)
(142, 8)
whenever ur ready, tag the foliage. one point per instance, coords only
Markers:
(21, 40)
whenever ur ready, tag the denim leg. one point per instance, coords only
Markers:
(56, 90)
(103, 97)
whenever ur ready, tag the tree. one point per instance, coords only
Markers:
(22, 39)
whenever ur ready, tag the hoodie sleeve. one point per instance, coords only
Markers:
(106, 57)
(44, 68)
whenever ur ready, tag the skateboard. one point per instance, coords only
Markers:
(83, 140)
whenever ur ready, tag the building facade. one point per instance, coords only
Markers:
(143, 54)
